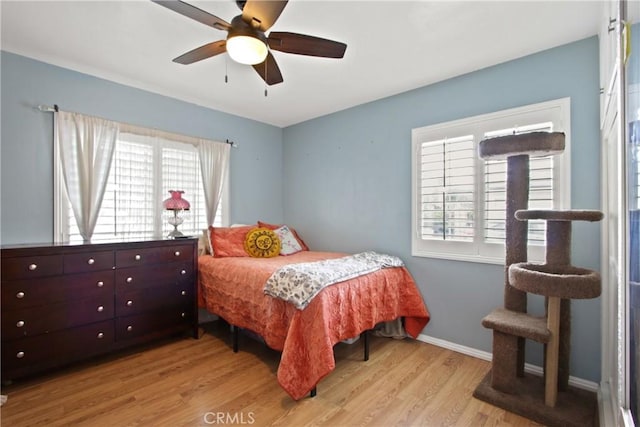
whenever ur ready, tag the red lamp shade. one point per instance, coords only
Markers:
(176, 202)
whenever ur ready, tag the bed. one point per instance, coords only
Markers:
(232, 287)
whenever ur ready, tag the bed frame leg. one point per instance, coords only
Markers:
(313, 392)
(365, 337)
(236, 332)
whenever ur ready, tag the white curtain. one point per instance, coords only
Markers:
(214, 161)
(86, 150)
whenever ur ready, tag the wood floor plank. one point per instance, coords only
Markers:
(187, 382)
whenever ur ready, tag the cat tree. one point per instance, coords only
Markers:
(547, 400)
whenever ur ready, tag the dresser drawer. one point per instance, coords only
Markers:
(154, 276)
(159, 255)
(88, 261)
(51, 349)
(31, 266)
(153, 322)
(54, 317)
(17, 294)
(139, 301)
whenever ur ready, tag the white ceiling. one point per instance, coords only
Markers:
(393, 46)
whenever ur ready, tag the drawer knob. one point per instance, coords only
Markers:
(20, 295)
(100, 335)
(177, 253)
(129, 328)
(183, 293)
(129, 279)
(129, 303)
(100, 284)
(183, 272)
(33, 266)
(20, 354)
(100, 309)
(20, 323)
(138, 257)
(91, 261)
(183, 314)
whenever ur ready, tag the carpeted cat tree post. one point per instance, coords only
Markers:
(507, 385)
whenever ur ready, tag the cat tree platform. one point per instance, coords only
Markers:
(564, 281)
(574, 407)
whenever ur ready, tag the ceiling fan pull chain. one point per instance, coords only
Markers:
(265, 76)
(226, 69)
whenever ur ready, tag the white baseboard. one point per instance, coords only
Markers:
(484, 355)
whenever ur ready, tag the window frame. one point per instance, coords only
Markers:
(62, 205)
(557, 111)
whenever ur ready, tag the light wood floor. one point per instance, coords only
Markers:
(187, 382)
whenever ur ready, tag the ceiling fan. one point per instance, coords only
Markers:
(246, 40)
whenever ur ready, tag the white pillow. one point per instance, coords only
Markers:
(288, 242)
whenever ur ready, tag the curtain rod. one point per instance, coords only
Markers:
(48, 109)
(55, 109)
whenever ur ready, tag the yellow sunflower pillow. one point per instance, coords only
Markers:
(262, 243)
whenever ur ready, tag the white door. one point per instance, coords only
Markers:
(615, 381)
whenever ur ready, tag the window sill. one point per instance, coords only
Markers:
(466, 258)
(459, 257)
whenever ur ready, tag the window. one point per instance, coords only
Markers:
(447, 168)
(143, 170)
(459, 199)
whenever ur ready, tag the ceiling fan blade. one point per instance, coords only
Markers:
(302, 44)
(262, 14)
(269, 70)
(202, 52)
(195, 13)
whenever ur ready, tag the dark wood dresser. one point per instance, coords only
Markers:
(66, 303)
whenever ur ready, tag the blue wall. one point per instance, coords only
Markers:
(27, 142)
(347, 186)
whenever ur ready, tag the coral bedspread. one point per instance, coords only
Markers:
(233, 289)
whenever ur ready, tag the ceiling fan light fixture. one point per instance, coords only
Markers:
(246, 49)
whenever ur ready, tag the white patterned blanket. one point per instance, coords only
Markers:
(299, 283)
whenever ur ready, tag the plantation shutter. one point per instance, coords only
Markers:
(540, 189)
(447, 177)
(458, 199)
(144, 169)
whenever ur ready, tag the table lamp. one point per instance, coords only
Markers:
(178, 205)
